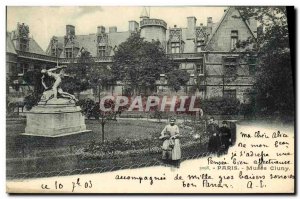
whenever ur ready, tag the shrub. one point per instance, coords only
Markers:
(89, 108)
(31, 100)
(221, 106)
(130, 148)
(247, 109)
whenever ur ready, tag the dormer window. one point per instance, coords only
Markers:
(234, 39)
(69, 53)
(175, 43)
(200, 45)
(54, 47)
(201, 37)
(23, 44)
(175, 47)
(101, 51)
(54, 52)
(102, 42)
(23, 37)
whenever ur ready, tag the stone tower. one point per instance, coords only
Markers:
(153, 29)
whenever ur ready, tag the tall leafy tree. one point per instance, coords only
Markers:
(177, 78)
(33, 78)
(139, 63)
(86, 74)
(78, 74)
(274, 79)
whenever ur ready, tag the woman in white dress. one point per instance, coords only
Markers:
(171, 145)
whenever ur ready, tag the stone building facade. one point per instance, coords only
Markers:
(23, 53)
(207, 52)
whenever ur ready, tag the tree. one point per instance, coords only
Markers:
(177, 78)
(86, 74)
(78, 74)
(106, 116)
(139, 63)
(33, 78)
(274, 80)
(92, 109)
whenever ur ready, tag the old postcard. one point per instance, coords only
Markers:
(173, 99)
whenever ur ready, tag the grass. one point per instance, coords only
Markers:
(38, 154)
(128, 129)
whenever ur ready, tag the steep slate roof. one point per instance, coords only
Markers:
(34, 47)
(60, 44)
(10, 48)
(189, 44)
(221, 21)
(89, 42)
(116, 38)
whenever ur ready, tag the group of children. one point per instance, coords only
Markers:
(219, 137)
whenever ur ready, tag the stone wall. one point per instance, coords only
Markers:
(241, 81)
(154, 33)
(221, 41)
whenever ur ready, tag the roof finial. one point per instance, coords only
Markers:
(145, 14)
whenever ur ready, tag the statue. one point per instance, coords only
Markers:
(55, 91)
(56, 114)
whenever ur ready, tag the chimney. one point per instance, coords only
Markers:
(209, 25)
(191, 26)
(70, 30)
(209, 22)
(100, 29)
(133, 26)
(112, 29)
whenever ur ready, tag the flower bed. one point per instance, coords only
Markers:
(125, 148)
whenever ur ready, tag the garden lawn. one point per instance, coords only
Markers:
(126, 129)
(29, 154)
(19, 146)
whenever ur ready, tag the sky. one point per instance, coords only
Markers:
(45, 22)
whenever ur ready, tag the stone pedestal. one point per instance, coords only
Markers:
(57, 117)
